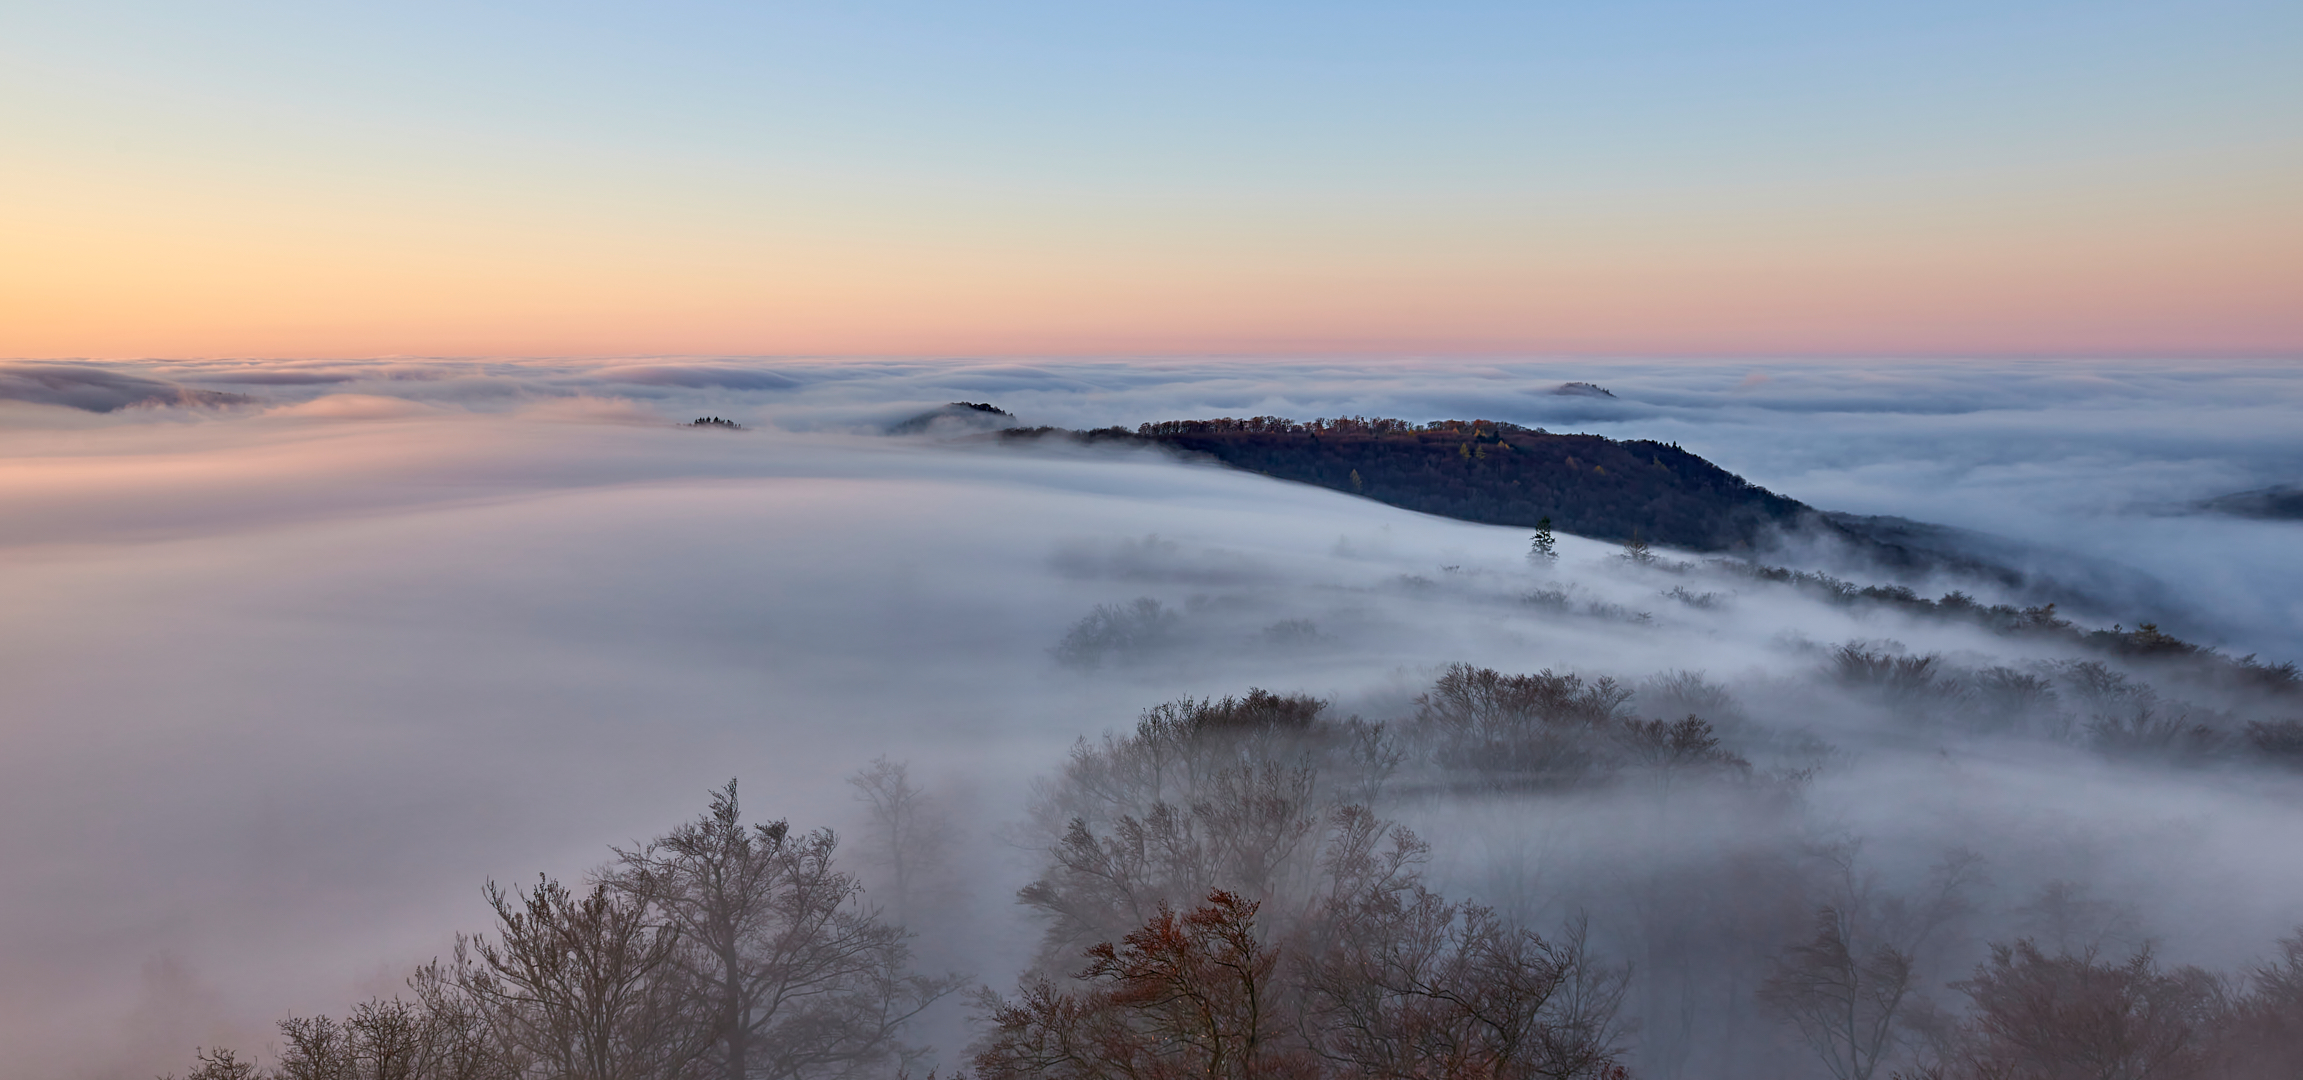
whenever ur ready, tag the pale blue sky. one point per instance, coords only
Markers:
(1047, 121)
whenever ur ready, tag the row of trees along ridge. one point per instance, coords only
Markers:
(1490, 472)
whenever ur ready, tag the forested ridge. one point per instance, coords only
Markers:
(1641, 490)
(1491, 472)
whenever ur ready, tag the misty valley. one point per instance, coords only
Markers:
(511, 726)
(1539, 874)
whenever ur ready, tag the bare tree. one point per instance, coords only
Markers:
(585, 983)
(1179, 747)
(1845, 988)
(908, 837)
(439, 1036)
(1842, 997)
(1392, 984)
(458, 1040)
(790, 974)
(219, 1064)
(2264, 1038)
(1254, 832)
(1408, 984)
(2066, 917)
(1200, 985)
(1519, 731)
(2079, 1017)
(1181, 996)
(1315, 951)
(1672, 748)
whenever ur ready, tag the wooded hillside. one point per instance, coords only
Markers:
(1491, 472)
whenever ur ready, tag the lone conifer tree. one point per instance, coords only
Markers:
(1635, 550)
(1540, 549)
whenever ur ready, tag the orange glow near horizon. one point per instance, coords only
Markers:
(246, 277)
(314, 217)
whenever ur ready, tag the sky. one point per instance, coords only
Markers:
(1770, 178)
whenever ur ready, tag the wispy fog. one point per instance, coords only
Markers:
(2099, 465)
(298, 656)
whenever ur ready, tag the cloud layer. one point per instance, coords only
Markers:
(290, 679)
(2102, 463)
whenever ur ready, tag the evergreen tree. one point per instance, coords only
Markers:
(1541, 551)
(1636, 550)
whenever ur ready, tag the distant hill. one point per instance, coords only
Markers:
(1503, 474)
(2036, 573)
(2281, 503)
(1493, 473)
(957, 416)
(97, 389)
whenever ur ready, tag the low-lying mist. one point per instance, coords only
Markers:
(2098, 473)
(291, 679)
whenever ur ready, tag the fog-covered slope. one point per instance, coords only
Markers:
(286, 688)
(1497, 473)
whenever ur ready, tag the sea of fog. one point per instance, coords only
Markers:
(299, 655)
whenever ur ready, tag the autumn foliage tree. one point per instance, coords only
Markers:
(1407, 983)
(2081, 1016)
(1400, 984)
(1221, 896)
(1191, 995)
(1310, 947)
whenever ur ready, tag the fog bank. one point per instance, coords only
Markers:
(289, 679)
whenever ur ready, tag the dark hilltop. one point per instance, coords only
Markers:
(2283, 502)
(959, 415)
(1499, 473)
(1490, 472)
